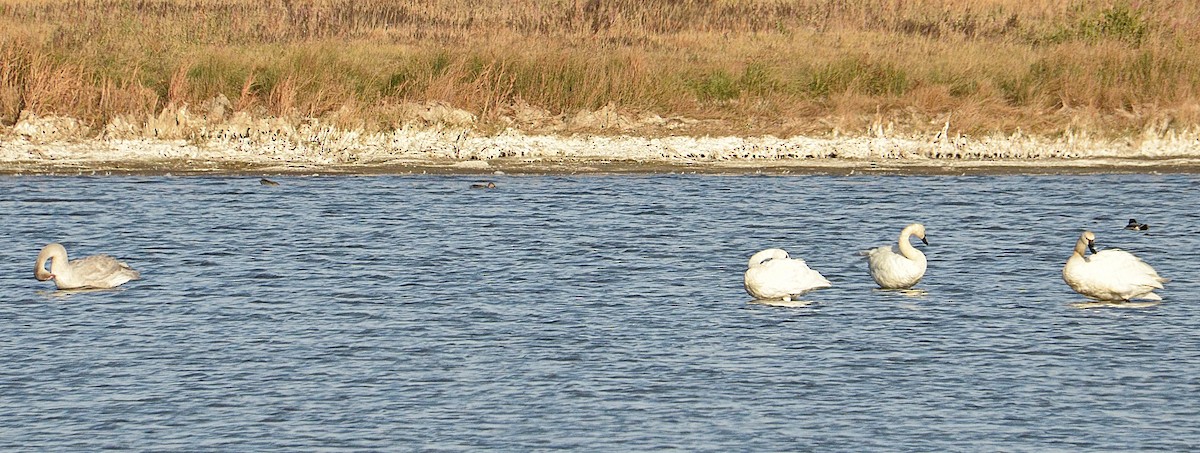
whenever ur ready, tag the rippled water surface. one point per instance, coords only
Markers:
(592, 313)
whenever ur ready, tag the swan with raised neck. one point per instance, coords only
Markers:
(902, 270)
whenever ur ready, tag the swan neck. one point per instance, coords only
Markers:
(57, 255)
(907, 249)
(1081, 247)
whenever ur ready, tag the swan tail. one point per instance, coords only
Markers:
(819, 281)
(1147, 296)
(875, 251)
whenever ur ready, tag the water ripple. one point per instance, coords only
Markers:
(592, 313)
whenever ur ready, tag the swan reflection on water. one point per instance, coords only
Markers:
(63, 294)
(783, 303)
(910, 298)
(914, 293)
(1114, 304)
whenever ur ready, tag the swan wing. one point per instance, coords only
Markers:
(893, 270)
(782, 278)
(880, 259)
(878, 251)
(1125, 267)
(98, 265)
(102, 271)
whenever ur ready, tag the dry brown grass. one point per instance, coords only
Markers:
(757, 66)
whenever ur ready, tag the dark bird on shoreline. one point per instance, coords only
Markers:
(267, 182)
(1134, 225)
(488, 185)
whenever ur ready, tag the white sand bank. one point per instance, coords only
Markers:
(57, 145)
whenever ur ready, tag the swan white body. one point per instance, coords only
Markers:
(773, 275)
(902, 270)
(1109, 275)
(99, 271)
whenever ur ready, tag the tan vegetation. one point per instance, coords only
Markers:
(744, 67)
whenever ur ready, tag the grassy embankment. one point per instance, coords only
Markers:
(752, 66)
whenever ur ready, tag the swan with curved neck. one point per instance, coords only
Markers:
(98, 271)
(902, 270)
(1109, 275)
(774, 275)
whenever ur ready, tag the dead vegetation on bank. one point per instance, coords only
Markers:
(698, 67)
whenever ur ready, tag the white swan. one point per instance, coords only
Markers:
(902, 270)
(1111, 275)
(99, 271)
(773, 275)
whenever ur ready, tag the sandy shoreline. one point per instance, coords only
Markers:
(50, 146)
(593, 167)
(101, 164)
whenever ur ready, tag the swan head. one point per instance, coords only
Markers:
(918, 230)
(767, 255)
(1089, 238)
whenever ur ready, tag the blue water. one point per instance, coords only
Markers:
(595, 313)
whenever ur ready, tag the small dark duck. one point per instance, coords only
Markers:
(488, 185)
(1134, 225)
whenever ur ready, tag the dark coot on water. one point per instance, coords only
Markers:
(1134, 225)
